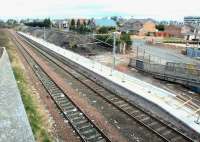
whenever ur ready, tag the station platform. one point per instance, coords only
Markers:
(14, 124)
(162, 98)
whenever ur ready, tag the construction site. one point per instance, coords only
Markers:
(99, 80)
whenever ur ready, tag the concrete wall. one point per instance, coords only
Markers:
(14, 124)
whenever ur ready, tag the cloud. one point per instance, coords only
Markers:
(159, 9)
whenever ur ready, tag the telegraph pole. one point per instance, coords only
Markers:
(114, 48)
(197, 35)
(114, 52)
(44, 34)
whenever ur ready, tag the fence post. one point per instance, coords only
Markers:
(197, 121)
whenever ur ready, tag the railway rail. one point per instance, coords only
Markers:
(84, 127)
(164, 130)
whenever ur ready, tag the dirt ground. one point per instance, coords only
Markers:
(67, 40)
(122, 62)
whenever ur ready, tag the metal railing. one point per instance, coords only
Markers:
(187, 72)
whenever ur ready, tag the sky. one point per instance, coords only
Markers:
(56, 9)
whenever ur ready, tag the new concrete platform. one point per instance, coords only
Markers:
(164, 99)
(14, 124)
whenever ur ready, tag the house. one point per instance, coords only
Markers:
(161, 34)
(131, 26)
(61, 24)
(190, 32)
(187, 29)
(139, 27)
(173, 30)
(149, 28)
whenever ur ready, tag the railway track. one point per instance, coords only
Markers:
(164, 130)
(83, 126)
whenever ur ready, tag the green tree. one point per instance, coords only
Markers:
(103, 30)
(114, 18)
(47, 23)
(160, 27)
(78, 24)
(2, 24)
(84, 23)
(72, 25)
(89, 22)
(125, 41)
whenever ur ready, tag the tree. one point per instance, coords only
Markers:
(89, 22)
(2, 23)
(160, 27)
(125, 41)
(44, 23)
(114, 18)
(83, 29)
(103, 30)
(72, 25)
(91, 25)
(78, 24)
(84, 23)
(47, 23)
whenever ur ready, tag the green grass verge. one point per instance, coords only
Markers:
(31, 107)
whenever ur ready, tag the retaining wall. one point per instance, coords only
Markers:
(14, 124)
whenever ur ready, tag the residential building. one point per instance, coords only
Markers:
(61, 24)
(161, 34)
(173, 30)
(190, 32)
(131, 26)
(140, 27)
(192, 20)
(149, 28)
(187, 29)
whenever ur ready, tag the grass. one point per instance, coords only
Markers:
(173, 40)
(36, 118)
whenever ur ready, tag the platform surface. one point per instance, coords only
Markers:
(14, 124)
(158, 96)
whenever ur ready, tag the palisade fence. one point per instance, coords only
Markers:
(188, 72)
(193, 52)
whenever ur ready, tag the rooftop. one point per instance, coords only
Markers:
(105, 22)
